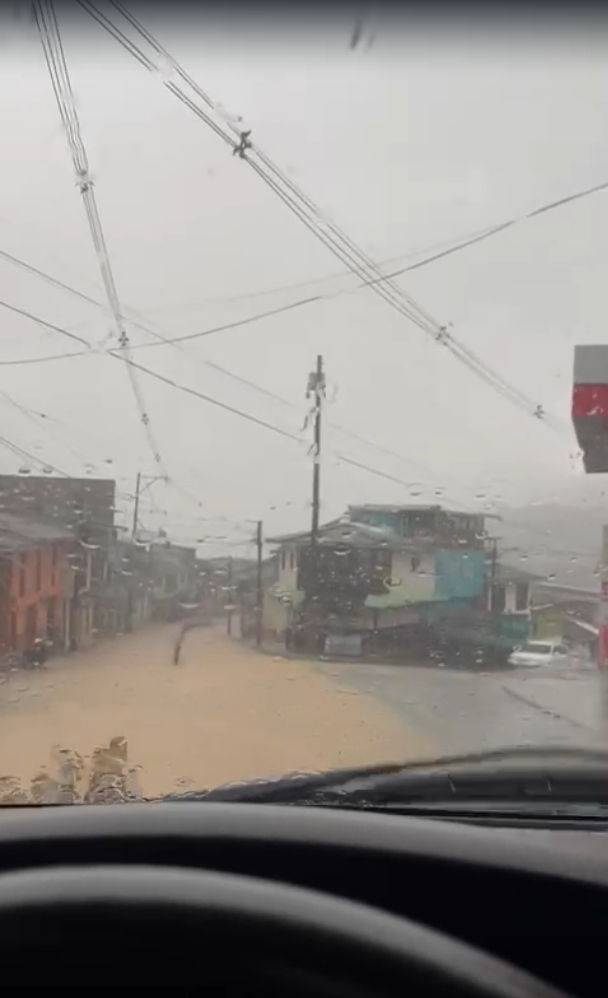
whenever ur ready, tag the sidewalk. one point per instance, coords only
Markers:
(579, 697)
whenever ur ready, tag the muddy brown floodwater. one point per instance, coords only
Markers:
(224, 713)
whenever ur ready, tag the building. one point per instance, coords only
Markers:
(442, 528)
(86, 507)
(36, 596)
(244, 585)
(491, 629)
(175, 578)
(509, 602)
(70, 501)
(380, 568)
(566, 613)
(125, 596)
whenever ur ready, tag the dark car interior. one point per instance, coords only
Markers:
(244, 898)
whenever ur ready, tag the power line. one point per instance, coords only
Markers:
(48, 29)
(47, 325)
(253, 385)
(36, 271)
(161, 339)
(22, 452)
(328, 233)
(463, 241)
(438, 334)
(230, 325)
(19, 361)
(149, 65)
(210, 399)
(330, 423)
(36, 417)
(260, 422)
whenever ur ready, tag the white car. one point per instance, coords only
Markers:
(535, 654)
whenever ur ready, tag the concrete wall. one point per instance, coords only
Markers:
(288, 568)
(379, 518)
(38, 581)
(275, 617)
(413, 579)
(459, 574)
(443, 574)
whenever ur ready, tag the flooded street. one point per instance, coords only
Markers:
(469, 712)
(227, 712)
(224, 713)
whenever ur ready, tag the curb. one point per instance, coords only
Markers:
(545, 710)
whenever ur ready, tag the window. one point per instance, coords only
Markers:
(521, 596)
(292, 560)
(283, 556)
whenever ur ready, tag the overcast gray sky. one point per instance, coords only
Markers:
(419, 141)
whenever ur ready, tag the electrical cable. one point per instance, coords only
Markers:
(22, 452)
(464, 354)
(272, 395)
(208, 398)
(48, 325)
(48, 29)
(414, 311)
(36, 417)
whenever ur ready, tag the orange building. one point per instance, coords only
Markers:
(35, 582)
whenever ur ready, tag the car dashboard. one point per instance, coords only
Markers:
(536, 897)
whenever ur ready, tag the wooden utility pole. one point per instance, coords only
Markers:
(316, 388)
(259, 601)
(136, 507)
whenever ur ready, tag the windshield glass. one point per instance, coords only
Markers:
(304, 376)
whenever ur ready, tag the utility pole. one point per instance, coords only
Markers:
(316, 387)
(259, 602)
(149, 480)
(136, 507)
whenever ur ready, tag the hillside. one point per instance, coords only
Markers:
(561, 542)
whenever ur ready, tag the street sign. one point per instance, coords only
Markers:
(590, 405)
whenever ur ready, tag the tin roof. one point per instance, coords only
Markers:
(345, 532)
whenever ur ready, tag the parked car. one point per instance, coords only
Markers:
(538, 654)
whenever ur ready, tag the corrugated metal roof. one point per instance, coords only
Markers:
(347, 533)
(390, 508)
(419, 508)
